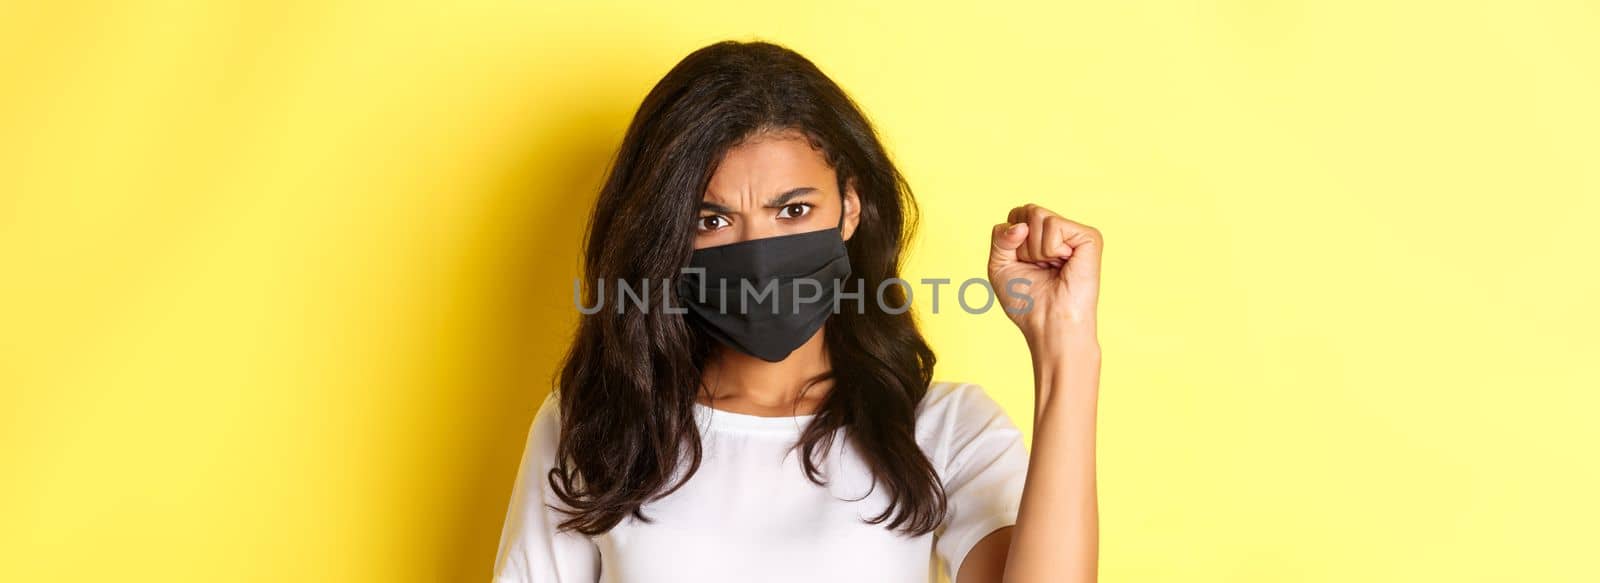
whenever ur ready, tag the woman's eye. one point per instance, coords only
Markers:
(794, 211)
(711, 223)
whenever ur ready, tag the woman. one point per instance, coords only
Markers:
(797, 436)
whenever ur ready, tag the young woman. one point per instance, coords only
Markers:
(797, 435)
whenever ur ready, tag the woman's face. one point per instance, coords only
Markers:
(772, 184)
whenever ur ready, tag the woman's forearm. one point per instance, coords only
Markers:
(1057, 532)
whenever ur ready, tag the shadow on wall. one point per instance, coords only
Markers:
(545, 199)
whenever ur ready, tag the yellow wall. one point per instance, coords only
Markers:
(281, 282)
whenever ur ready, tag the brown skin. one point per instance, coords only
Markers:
(776, 184)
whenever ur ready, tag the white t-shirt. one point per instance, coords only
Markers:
(750, 514)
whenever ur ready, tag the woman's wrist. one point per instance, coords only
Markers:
(1065, 342)
(1066, 367)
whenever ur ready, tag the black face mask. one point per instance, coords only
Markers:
(792, 283)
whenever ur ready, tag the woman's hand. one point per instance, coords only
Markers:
(1059, 260)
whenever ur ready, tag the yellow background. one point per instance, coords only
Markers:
(281, 282)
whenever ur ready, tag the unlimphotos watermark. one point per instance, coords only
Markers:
(801, 291)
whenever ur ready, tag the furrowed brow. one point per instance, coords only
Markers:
(775, 202)
(784, 198)
(714, 207)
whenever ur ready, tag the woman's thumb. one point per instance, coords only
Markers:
(1003, 243)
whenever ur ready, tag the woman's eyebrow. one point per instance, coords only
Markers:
(784, 198)
(714, 207)
(775, 202)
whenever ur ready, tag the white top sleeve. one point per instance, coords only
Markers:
(531, 550)
(985, 468)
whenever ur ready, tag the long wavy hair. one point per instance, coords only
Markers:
(628, 385)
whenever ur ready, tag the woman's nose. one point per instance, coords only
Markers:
(752, 231)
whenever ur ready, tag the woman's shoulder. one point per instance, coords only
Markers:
(549, 408)
(953, 410)
(946, 398)
(953, 416)
(545, 429)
